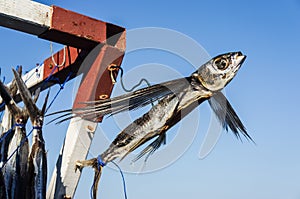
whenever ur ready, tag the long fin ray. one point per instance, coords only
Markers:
(129, 101)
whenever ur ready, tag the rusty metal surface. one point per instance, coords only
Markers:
(99, 76)
(70, 59)
(73, 29)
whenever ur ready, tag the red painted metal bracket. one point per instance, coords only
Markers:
(83, 36)
(90, 35)
(73, 29)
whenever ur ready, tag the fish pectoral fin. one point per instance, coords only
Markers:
(227, 116)
(126, 102)
(152, 147)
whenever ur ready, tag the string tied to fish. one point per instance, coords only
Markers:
(37, 127)
(100, 165)
(20, 125)
(123, 179)
(61, 84)
(5, 134)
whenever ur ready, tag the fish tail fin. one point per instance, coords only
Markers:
(97, 164)
(97, 176)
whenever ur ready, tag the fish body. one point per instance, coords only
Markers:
(15, 170)
(153, 123)
(37, 167)
(176, 101)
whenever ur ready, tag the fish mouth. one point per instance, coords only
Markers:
(240, 58)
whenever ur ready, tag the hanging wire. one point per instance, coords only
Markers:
(123, 179)
(52, 56)
(114, 67)
(58, 92)
(100, 165)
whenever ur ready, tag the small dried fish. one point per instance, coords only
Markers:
(15, 145)
(37, 161)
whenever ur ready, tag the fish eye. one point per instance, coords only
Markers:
(221, 63)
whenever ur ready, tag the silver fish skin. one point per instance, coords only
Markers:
(15, 170)
(37, 167)
(37, 161)
(209, 79)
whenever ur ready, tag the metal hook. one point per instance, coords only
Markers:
(111, 68)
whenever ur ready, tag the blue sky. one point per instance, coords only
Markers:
(265, 95)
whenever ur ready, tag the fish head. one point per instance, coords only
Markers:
(38, 121)
(219, 71)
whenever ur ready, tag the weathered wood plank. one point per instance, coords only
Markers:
(26, 16)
